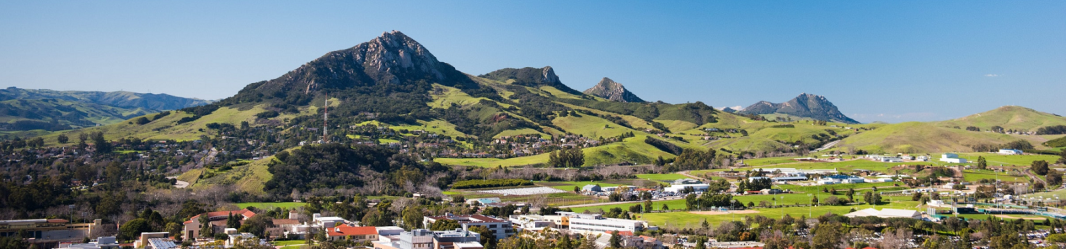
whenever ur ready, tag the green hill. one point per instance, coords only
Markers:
(1009, 118)
(49, 110)
(914, 137)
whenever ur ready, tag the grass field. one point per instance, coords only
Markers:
(265, 205)
(250, 178)
(915, 137)
(569, 186)
(686, 219)
(782, 199)
(977, 175)
(995, 159)
(523, 131)
(434, 126)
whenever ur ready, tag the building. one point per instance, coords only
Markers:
(686, 181)
(352, 233)
(886, 213)
(100, 243)
(162, 243)
(48, 230)
(679, 188)
(426, 239)
(145, 237)
(596, 223)
(500, 227)
(483, 201)
(241, 239)
(841, 179)
(1010, 152)
(952, 158)
(217, 220)
(535, 222)
(591, 189)
(789, 178)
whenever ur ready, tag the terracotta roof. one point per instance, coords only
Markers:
(345, 230)
(623, 233)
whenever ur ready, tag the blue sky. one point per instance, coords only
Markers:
(888, 61)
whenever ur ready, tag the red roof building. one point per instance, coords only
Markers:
(356, 234)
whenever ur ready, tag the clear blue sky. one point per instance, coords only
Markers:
(877, 60)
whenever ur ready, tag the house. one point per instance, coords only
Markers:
(952, 158)
(100, 243)
(886, 213)
(352, 233)
(591, 189)
(48, 230)
(1010, 152)
(679, 188)
(145, 237)
(217, 220)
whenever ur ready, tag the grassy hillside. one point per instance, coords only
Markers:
(1008, 117)
(914, 137)
(250, 178)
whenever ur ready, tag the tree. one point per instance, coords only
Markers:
(868, 197)
(412, 217)
(1054, 180)
(444, 225)
(981, 163)
(173, 228)
(616, 239)
(133, 229)
(916, 196)
(257, 225)
(232, 221)
(102, 145)
(577, 189)
(851, 195)
(814, 200)
(62, 138)
(1040, 167)
(141, 120)
(205, 227)
(897, 239)
(827, 235)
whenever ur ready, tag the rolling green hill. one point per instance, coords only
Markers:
(1009, 117)
(40, 109)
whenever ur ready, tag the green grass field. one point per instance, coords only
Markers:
(977, 175)
(523, 131)
(995, 159)
(265, 205)
(250, 178)
(682, 219)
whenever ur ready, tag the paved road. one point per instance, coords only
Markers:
(826, 146)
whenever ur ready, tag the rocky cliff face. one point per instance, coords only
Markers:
(613, 91)
(392, 58)
(805, 105)
(530, 76)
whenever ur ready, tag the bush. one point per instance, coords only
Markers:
(490, 183)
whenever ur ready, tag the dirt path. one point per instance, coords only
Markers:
(179, 183)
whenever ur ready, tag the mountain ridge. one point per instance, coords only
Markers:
(805, 105)
(614, 91)
(32, 109)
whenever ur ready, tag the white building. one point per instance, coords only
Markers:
(1010, 152)
(886, 213)
(535, 222)
(502, 228)
(597, 224)
(952, 158)
(695, 187)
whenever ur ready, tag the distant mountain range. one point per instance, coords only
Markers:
(31, 109)
(805, 105)
(393, 80)
(613, 91)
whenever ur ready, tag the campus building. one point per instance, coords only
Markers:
(502, 228)
(596, 223)
(47, 230)
(217, 220)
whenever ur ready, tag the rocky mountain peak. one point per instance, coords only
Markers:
(805, 105)
(614, 91)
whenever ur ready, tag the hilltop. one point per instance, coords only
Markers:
(1008, 118)
(805, 105)
(31, 109)
(614, 91)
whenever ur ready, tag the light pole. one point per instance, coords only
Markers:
(810, 210)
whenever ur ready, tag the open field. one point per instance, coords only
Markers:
(994, 159)
(688, 219)
(977, 175)
(250, 178)
(523, 191)
(782, 199)
(569, 186)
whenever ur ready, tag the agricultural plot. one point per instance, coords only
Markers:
(661, 177)
(523, 191)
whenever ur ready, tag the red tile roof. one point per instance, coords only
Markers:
(286, 222)
(345, 230)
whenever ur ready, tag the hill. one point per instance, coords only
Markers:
(1015, 118)
(919, 137)
(31, 109)
(613, 91)
(805, 105)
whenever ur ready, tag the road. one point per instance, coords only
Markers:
(826, 146)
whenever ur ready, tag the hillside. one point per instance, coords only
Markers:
(918, 137)
(31, 109)
(613, 91)
(392, 90)
(1009, 118)
(805, 105)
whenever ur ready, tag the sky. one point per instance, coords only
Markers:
(890, 61)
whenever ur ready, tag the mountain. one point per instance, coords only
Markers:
(613, 91)
(804, 106)
(730, 110)
(31, 109)
(530, 76)
(1009, 118)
